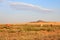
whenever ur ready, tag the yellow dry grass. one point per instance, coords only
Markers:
(30, 31)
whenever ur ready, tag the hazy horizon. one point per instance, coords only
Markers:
(17, 11)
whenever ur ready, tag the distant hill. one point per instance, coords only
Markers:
(38, 21)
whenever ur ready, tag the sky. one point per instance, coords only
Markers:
(17, 11)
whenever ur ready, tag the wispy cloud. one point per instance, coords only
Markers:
(12, 17)
(26, 6)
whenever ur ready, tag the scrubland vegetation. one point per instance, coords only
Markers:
(29, 32)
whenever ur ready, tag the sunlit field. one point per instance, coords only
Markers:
(18, 19)
(30, 31)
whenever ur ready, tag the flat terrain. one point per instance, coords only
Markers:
(30, 31)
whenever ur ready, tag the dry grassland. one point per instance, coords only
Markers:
(30, 31)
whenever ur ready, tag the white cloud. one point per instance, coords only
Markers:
(26, 6)
(16, 17)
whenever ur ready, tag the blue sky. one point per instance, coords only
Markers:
(44, 3)
(16, 11)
